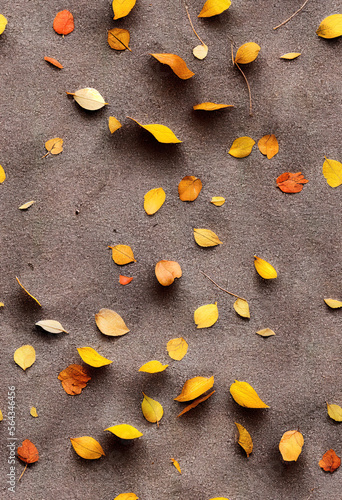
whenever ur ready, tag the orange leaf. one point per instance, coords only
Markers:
(268, 145)
(63, 24)
(290, 182)
(74, 378)
(176, 464)
(53, 61)
(27, 452)
(176, 63)
(330, 461)
(166, 271)
(195, 403)
(189, 188)
(211, 106)
(124, 280)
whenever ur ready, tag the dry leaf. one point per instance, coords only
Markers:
(25, 356)
(266, 332)
(335, 412)
(33, 412)
(152, 410)
(247, 53)
(332, 171)
(211, 106)
(214, 7)
(124, 431)
(54, 62)
(122, 254)
(2, 175)
(176, 63)
(28, 293)
(153, 200)
(241, 147)
(264, 269)
(189, 188)
(88, 98)
(290, 55)
(26, 205)
(177, 348)
(242, 308)
(166, 271)
(51, 326)
(330, 461)
(110, 323)
(126, 496)
(290, 182)
(268, 145)
(333, 303)
(206, 238)
(2, 304)
(220, 498)
(54, 146)
(195, 403)
(160, 132)
(93, 358)
(1, 416)
(118, 39)
(63, 24)
(195, 387)
(330, 27)
(153, 366)
(87, 447)
(124, 280)
(113, 124)
(206, 316)
(27, 452)
(245, 440)
(291, 445)
(3, 23)
(122, 8)
(74, 378)
(218, 201)
(244, 395)
(176, 464)
(200, 51)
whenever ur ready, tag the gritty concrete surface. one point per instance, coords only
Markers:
(91, 196)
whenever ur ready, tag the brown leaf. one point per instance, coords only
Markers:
(330, 461)
(189, 188)
(27, 452)
(63, 23)
(290, 182)
(176, 63)
(74, 378)
(195, 403)
(53, 61)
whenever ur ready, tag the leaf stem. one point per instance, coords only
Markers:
(293, 15)
(248, 87)
(21, 475)
(192, 26)
(46, 155)
(223, 289)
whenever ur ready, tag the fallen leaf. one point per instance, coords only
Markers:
(206, 238)
(1, 416)
(332, 171)
(93, 358)
(200, 51)
(334, 304)
(152, 410)
(264, 269)
(153, 200)
(330, 27)
(54, 146)
(2, 175)
(54, 62)
(28, 293)
(195, 387)
(88, 98)
(74, 378)
(290, 55)
(113, 124)
(214, 7)
(110, 323)
(245, 440)
(166, 271)
(242, 308)
(189, 188)
(118, 39)
(330, 461)
(124, 431)
(124, 280)
(160, 132)
(218, 201)
(2, 304)
(87, 447)
(247, 53)
(122, 254)
(176, 63)
(266, 332)
(291, 445)
(176, 464)
(26, 205)
(206, 316)
(153, 366)
(241, 147)
(335, 412)
(126, 496)
(268, 145)
(177, 348)
(211, 106)
(220, 498)
(33, 412)
(122, 8)
(290, 182)
(25, 356)
(195, 403)
(50, 325)
(27, 452)
(63, 24)
(244, 395)
(3, 23)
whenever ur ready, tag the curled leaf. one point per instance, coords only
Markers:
(332, 171)
(195, 403)
(54, 62)
(176, 464)
(290, 182)
(195, 387)
(88, 98)
(28, 293)
(28, 452)
(291, 445)
(74, 378)
(189, 188)
(124, 431)
(110, 323)
(264, 269)
(160, 132)
(118, 39)
(290, 55)
(126, 496)
(166, 271)
(330, 461)
(26, 205)
(241, 147)
(218, 201)
(244, 395)
(25, 356)
(153, 366)
(200, 51)
(2, 175)
(113, 124)
(214, 7)
(335, 412)
(266, 332)
(93, 358)
(333, 303)
(211, 106)
(124, 280)
(122, 8)
(33, 412)
(206, 316)
(153, 200)
(177, 348)
(245, 440)
(206, 238)
(247, 53)
(63, 24)
(242, 308)
(330, 27)
(152, 410)
(122, 254)
(87, 447)
(176, 63)
(3, 23)
(268, 145)
(51, 326)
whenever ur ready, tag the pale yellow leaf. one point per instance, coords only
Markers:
(122, 8)
(51, 326)
(176, 63)
(244, 395)
(241, 147)
(206, 316)
(247, 53)
(26, 205)
(332, 171)
(122, 254)
(290, 55)
(211, 106)
(126, 496)
(33, 412)
(333, 303)
(88, 98)
(245, 440)
(218, 201)
(177, 348)
(3, 23)
(200, 51)
(54, 146)
(242, 308)
(110, 323)
(266, 332)
(291, 445)
(335, 412)
(176, 464)
(195, 387)
(160, 132)
(153, 366)
(152, 410)
(206, 238)
(330, 27)
(113, 124)
(2, 175)
(153, 200)
(28, 293)
(214, 7)
(264, 269)
(87, 447)
(124, 431)
(118, 39)
(268, 145)
(93, 358)
(25, 356)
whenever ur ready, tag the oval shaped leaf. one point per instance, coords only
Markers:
(122, 8)
(125, 431)
(266, 332)
(110, 323)
(118, 39)
(241, 147)
(87, 447)
(330, 27)
(152, 410)
(268, 145)
(93, 358)
(206, 238)
(245, 440)
(28, 452)
(176, 63)
(166, 271)
(211, 106)
(218, 201)
(264, 269)
(242, 308)
(54, 146)
(160, 132)
(74, 378)
(335, 412)
(189, 188)
(26, 205)
(122, 254)
(63, 24)
(332, 171)
(195, 387)
(54, 62)
(333, 303)
(177, 348)
(200, 51)
(50, 325)
(88, 98)
(2, 175)
(244, 395)
(153, 200)
(25, 356)
(291, 445)
(330, 461)
(214, 7)
(247, 53)
(290, 55)
(206, 316)
(153, 366)
(124, 280)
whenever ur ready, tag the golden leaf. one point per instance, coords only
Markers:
(211, 106)
(200, 51)
(87, 447)
(242, 308)
(126, 496)
(2, 175)
(214, 7)
(33, 412)
(290, 55)
(26, 205)
(28, 293)
(153, 366)
(206, 316)
(122, 8)
(122, 254)
(166, 271)
(113, 124)
(2, 304)
(245, 440)
(1, 416)
(118, 39)
(219, 498)
(335, 412)
(195, 387)
(244, 395)
(160, 132)
(88, 98)
(124, 431)
(195, 403)
(247, 53)
(25, 356)
(189, 188)
(290, 445)
(264, 269)
(268, 145)
(152, 410)
(206, 238)
(54, 146)
(153, 200)
(218, 201)
(110, 323)
(332, 171)
(333, 303)
(176, 464)
(51, 326)
(176, 63)
(266, 332)
(330, 27)
(177, 348)
(93, 358)
(3, 23)
(241, 147)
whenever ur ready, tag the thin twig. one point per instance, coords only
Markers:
(23, 472)
(289, 19)
(223, 289)
(192, 26)
(249, 89)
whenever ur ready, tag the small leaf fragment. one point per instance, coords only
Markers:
(335, 412)
(87, 447)
(28, 452)
(51, 326)
(195, 403)
(63, 24)
(118, 39)
(33, 412)
(122, 254)
(122, 8)
(54, 62)
(206, 316)
(2, 175)
(153, 366)
(176, 464)
(177, 348)
(74, 378)
(3, 23)
(110, 323)
(330, 461)
(291, 182)
(247, 53)
(153, 200)
(54, 146)
(88, 98)
(152, 410)
(330, 27)
(189, 188)
(241, 147)
(92, 357)
(218, 201)
(244, 395)
(113, 124)
(291, 445)
(200, 51)
(27, 205)
(160, 132)
(124, 280)
(242, 308)
(211, 106)
(268, 145)
(126, 496)
(245, 440)
(206, 238)
(195, 387)
(265, 332)
(1, 416)
(290, 55)
(28, 293)
(124, 431)
(333, 303)
(166, 271)
(176, 63)
(25, 356)
(214, 7)
(264, 268)
(332, 171)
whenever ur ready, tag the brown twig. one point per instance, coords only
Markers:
(289, 19)
(23, 472)
(192, 26)
(223, 289)
(249, 89)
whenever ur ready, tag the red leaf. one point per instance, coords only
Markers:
(27, 452)
(124, 280)
(63, 23)
(290, 182)
(330, 461)
(53, 61)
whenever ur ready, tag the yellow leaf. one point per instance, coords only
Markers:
(93, 358)
(113, 124)
(33, 412)
(218, 201)
(214, 7)
(160, 132)
(241, 147)
(176, 63)
(332, 171)
(87, 447)
(189, 188)
(25, 356)
(176, 464)
(152, 410)
(290, 445)
(194, 387)
(177, 348)
(54, 146)
(206, 238)
(1, 416)
(245, 440)
(211, 106)
(242, 308)
(219, 498)
(330, 27)
(3, 23)
(2, 175)
(244, 395)
(118, 39)
(88, 98)
(122, 254)
(28, 293)
(247, 53)
(200, 51)
(122, 8)
(26, 205)
(268, 145)
(51, 326)
(2, 304)
(335, 412)
(153, 200)
(124, 431)
(264, 269)
(290, 55)
(126, 496)
(110, 323)
(153, 366)
(166, 271)
(206, 316)
(266, 332)
(334, 304)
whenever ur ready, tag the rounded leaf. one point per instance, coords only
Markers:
(189, 188)
(118, 39)
(177, 348)
(122, 254)
(89, 98)
(330, 461)
(93, 358)
(152, 410)
(268, 145)
(332, 171)
(153, 200)
(206, 238)
(242, 308)
(110, 323)
(3, 23)
(51, 326)
(28, 452)
(206, 316)
(290, 445)
(330, 27)
(122, 8)
(124, 431)
(264, 269)
(87, 447)
(63, 24)
(200, 51)
(25, 356)
(214, 7)
(241, 147)
(126, 496)
(244, 395)
(195, 387)
(153, 366)
(335, 412)
(54, 146)
(166, 271)
(247, 53)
